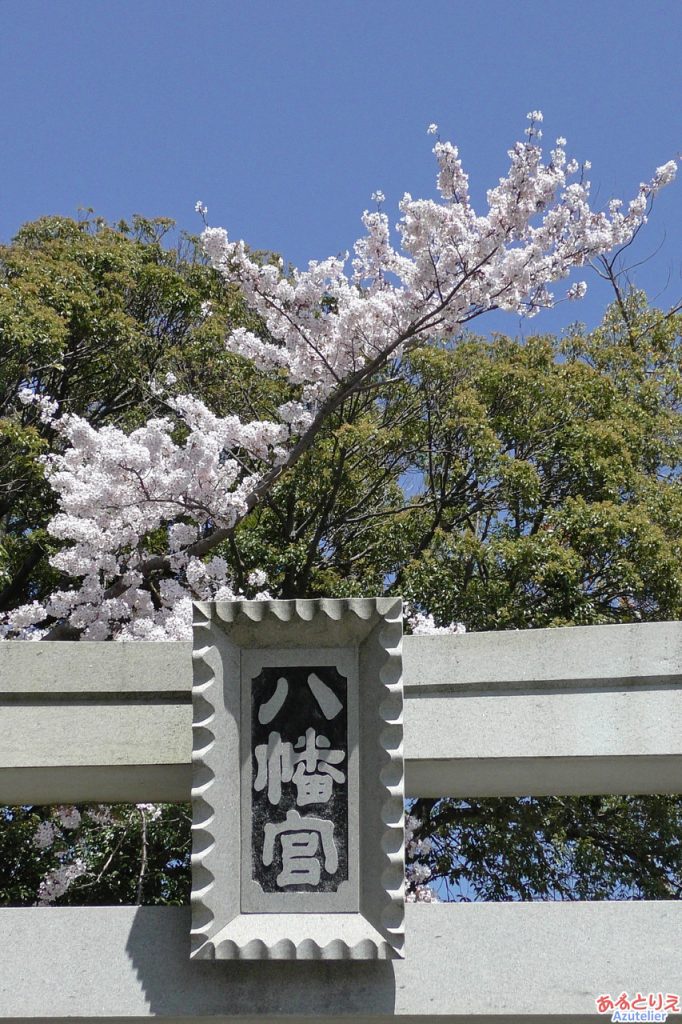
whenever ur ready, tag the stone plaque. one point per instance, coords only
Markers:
(297, 780)
(298, 785)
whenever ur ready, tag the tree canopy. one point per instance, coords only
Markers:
(552, 477)
(141, 508)
(90, 315)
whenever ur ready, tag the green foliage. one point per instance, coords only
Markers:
(333, 526)
(130, 854)
(568, 848)
(553, 475)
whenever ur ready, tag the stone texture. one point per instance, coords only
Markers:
(644, 653)
(483, 963)
(71, 667)
(80, 724)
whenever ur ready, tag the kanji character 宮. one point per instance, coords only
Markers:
(300, 841)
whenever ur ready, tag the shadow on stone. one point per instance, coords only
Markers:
(175, 987)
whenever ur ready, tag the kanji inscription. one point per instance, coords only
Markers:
(299, 735)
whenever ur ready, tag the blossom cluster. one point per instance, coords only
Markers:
(49, 835)
(117, 488)
(57, 881)
(423, 624)
(416, 874)
(325, 330)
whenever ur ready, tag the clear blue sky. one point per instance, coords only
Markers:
(284, 116)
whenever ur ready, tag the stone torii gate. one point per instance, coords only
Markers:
(585, 710)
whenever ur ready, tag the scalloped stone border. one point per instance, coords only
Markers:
(372, 628)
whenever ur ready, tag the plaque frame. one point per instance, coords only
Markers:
(230, 638)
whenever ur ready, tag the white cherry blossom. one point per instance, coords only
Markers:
(57, 881)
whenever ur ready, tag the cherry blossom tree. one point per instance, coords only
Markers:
(326, 333)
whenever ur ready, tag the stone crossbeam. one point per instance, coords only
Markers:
(495, 963)
(594, 709)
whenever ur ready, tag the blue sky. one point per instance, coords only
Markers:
(283, 117)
